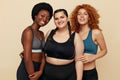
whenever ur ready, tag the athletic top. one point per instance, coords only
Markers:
(65, 50)
(37, 44)
(89, 46)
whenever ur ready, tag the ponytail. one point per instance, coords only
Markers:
(69, 28)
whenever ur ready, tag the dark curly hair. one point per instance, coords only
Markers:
(41, 6)
(93, 15)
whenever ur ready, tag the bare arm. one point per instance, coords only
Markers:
(47, 34)
(43, 57)
(101, 43)
(79, 48)
(37, 74)
(27, 43)
(42, 63)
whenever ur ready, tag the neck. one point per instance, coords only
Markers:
(35, 26)
(62, 30)
(84, 27)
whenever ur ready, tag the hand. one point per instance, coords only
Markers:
(87, 58)
(21, 54)
(32, 79)
(35, 75)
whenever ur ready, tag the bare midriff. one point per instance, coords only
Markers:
(37, 57)
(89, 65)
(56, 61)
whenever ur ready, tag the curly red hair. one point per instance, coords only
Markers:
(93, 17)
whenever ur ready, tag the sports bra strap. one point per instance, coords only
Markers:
(31, 30)
(51, 34)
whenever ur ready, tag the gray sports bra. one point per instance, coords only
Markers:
(37, 44)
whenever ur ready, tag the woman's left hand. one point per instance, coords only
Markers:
(35, 75)
(87, 58)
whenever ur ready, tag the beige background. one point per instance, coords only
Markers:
(15, 15)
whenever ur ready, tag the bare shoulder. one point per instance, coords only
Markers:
(74, 32)
(27, 32)
(47, 34)
(77, 36)
(97, 32)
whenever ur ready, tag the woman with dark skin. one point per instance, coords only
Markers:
(84, 20)
(32, 64)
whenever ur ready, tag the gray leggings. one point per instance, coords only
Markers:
(60, 72)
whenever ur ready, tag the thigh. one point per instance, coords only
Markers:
(21, 72)
(53, 72)
(72, 76)
(37, 68)
(62, 72)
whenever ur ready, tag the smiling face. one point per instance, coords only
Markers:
(82, 17)
(60, 19)
(42, 18)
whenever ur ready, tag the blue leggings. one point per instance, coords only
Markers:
(22, 73)
(90, 74)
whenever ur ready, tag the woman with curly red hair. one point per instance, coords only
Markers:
(85, 21)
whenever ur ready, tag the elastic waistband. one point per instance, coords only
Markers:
(72, 63)
(37, 50)
(90, 70)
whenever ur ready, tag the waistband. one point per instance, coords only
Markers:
(90, 70)
(72, 63)
(37, 50)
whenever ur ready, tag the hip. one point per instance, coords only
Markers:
(89, 65)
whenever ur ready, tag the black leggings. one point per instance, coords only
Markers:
(60, 72)
(90, 74)
(22, 73)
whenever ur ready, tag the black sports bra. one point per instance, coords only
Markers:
(64, 50)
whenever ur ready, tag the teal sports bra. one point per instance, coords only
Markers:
(89, 46)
